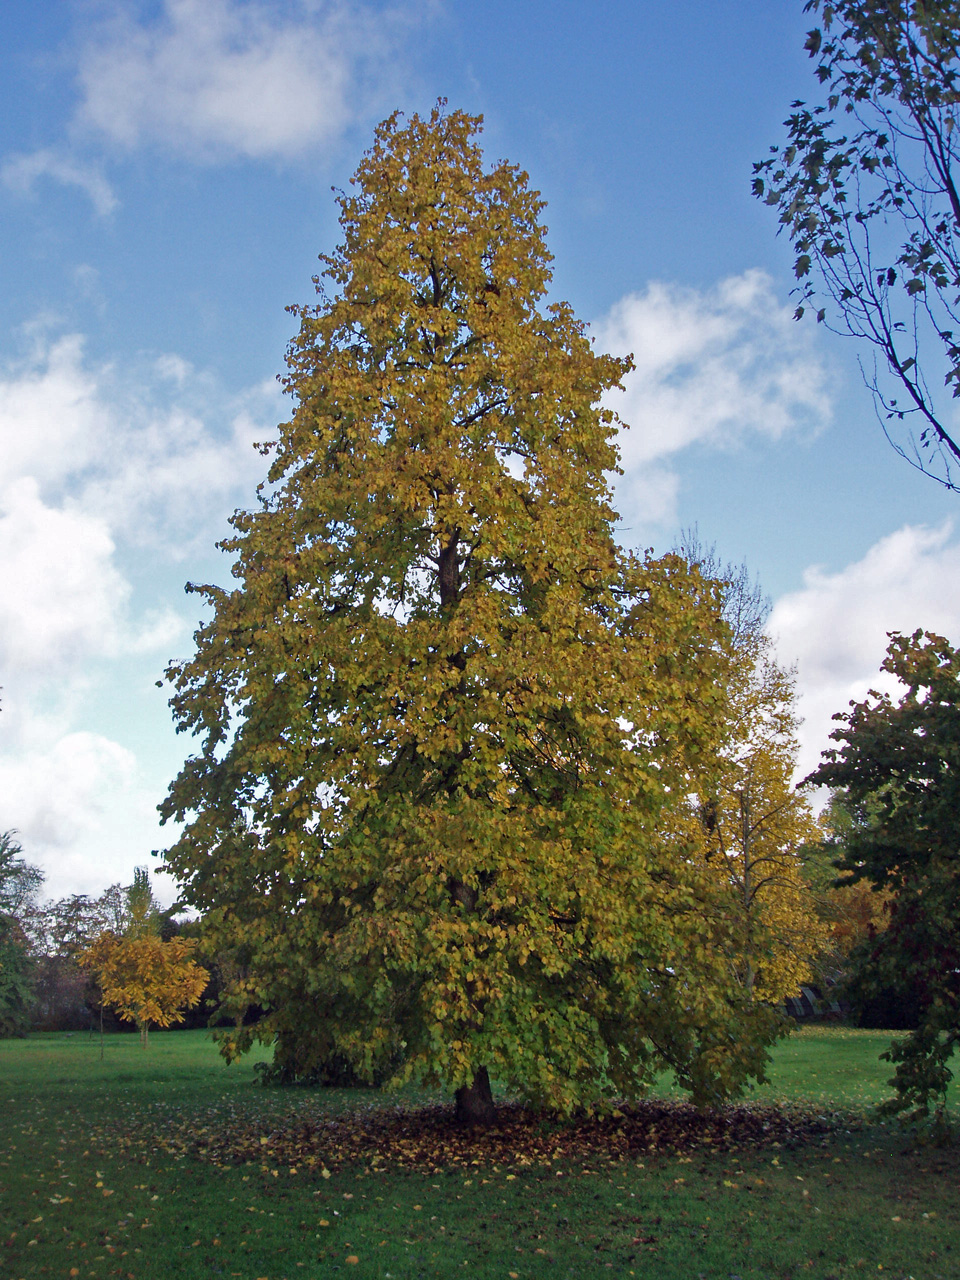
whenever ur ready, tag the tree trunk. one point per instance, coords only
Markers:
(475, 1101)
(448, 569)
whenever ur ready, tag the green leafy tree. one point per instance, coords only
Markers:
(866, 188)
(448, 726)
(143, 915)
(19, 882)
(16, 979)
(902, 759)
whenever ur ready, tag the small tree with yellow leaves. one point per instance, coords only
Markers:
(147, 980)
(758, 825)
(755, 825)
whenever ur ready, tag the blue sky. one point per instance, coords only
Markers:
(165, 188)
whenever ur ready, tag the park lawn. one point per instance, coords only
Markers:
(91, 1187)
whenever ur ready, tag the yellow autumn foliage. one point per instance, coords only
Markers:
(148, 981)
(446, 726)
(756, 825)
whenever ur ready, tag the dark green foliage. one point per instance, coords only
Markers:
(903, 760)
(64, 997)
(16, 979)
(18, 883)
(333, 1072)
(880, 1003)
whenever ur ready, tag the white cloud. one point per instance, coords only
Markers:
(711, 367)
(835, 627)
(221, 78)
(94, 471)
(646, 497)
(107, 478)
(172, 480)
(51, 415)
(152, 452)
(61, 597)
(22, 172)
(81, 807)
(57, 794)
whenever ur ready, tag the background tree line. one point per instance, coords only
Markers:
(78, 962)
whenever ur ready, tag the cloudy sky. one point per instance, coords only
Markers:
(165, 188)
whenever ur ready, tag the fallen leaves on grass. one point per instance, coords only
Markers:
(429, 1138)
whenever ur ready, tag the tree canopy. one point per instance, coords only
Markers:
(756, 822)
(866, 188)
(901, 759)
(147, 979)
(19, 882)
(448, 728)
(759, 823)
(851, 912)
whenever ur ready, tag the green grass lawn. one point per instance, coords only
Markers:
(116, 1169)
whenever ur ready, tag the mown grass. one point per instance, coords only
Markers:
(80, 1199)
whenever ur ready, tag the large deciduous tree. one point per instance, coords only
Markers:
(902, 760)
(866, 188)
(448, 728)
